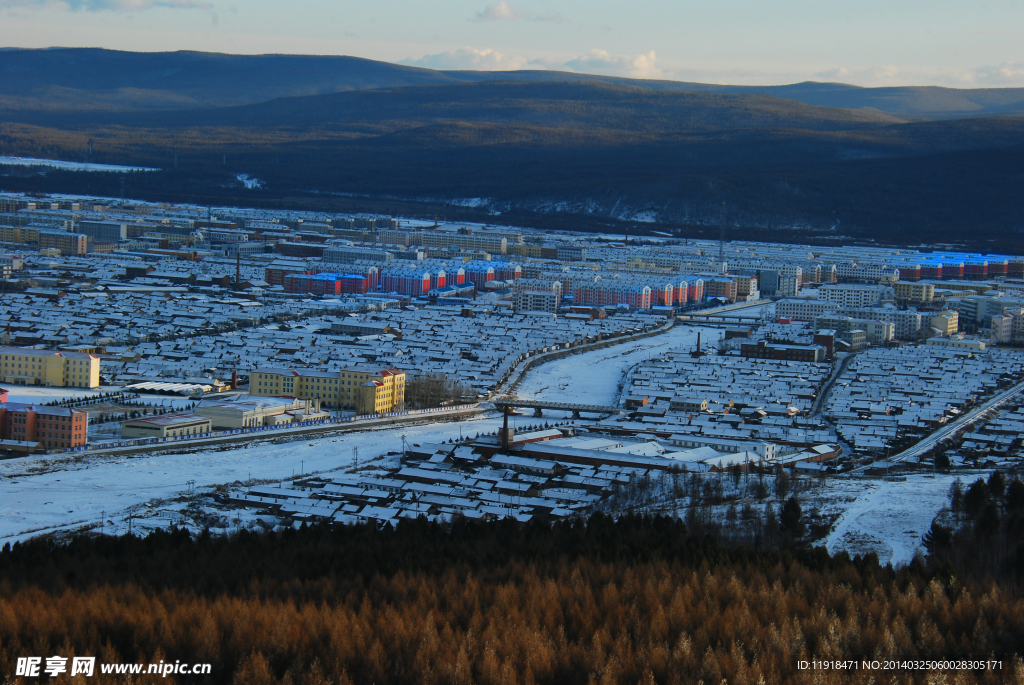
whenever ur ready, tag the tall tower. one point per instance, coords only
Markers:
(721, 248)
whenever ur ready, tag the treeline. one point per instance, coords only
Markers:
(759, 167)
(638, 600)
(431, 390)
(984, 534)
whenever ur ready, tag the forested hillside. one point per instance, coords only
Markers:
(634, 601)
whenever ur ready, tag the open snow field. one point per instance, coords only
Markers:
(28, 395)
(69, 166)
(888, 517)
(596, 377)
(45, 495)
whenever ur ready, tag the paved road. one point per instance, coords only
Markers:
(826, 389)
(950, 429)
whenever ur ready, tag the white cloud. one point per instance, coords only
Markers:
(104, 5)
(501, 11)
(1002, 75)
(644, 65)
(477, 59)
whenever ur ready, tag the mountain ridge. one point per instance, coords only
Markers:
(98, 79)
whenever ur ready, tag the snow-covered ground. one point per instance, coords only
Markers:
(70, 166)
(888, 517)
(248, 181)
(27, 395)
(596, 377)
(39, 496)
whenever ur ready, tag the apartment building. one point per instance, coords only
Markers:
(331, 283)
(26, 427)
(946, 322)
(539, 285)
(854, 295)
(788, 285)
(719, 286)
(875, 332)
(535, 301)
(68, 243)
(104, 231)
(865, 272)
(746, 287)
(907, 324)
(19, 234)
(612, 292)
(52, 368)
(345, 254)
(464, 241)
(366, 389)
(10, 263)
(571, 253)
(804, 309)
(532, 251)
(275, 273)
(907, 291)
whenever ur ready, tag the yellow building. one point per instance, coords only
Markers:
(383, 391)
(914, 292)
(67, 243)
(366, 389)
(19, 234)
(946, 322)
(24, 366)
(525, 250)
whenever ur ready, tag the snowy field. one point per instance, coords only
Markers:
(69, 166)
(596, 377)
(40, 496)
(885, 517)
(28, 395)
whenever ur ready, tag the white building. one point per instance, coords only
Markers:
(856, 295)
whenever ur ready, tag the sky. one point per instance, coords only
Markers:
(869, 42)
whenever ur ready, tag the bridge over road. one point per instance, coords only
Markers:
(720, 319)
(510, 403)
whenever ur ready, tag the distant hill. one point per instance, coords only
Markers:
(540, 148)
(63, 79)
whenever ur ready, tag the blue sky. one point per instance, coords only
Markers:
(869, 42)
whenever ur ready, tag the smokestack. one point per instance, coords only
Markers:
(504, 432)
(238, 268)
(234, 380)
(698, 341)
